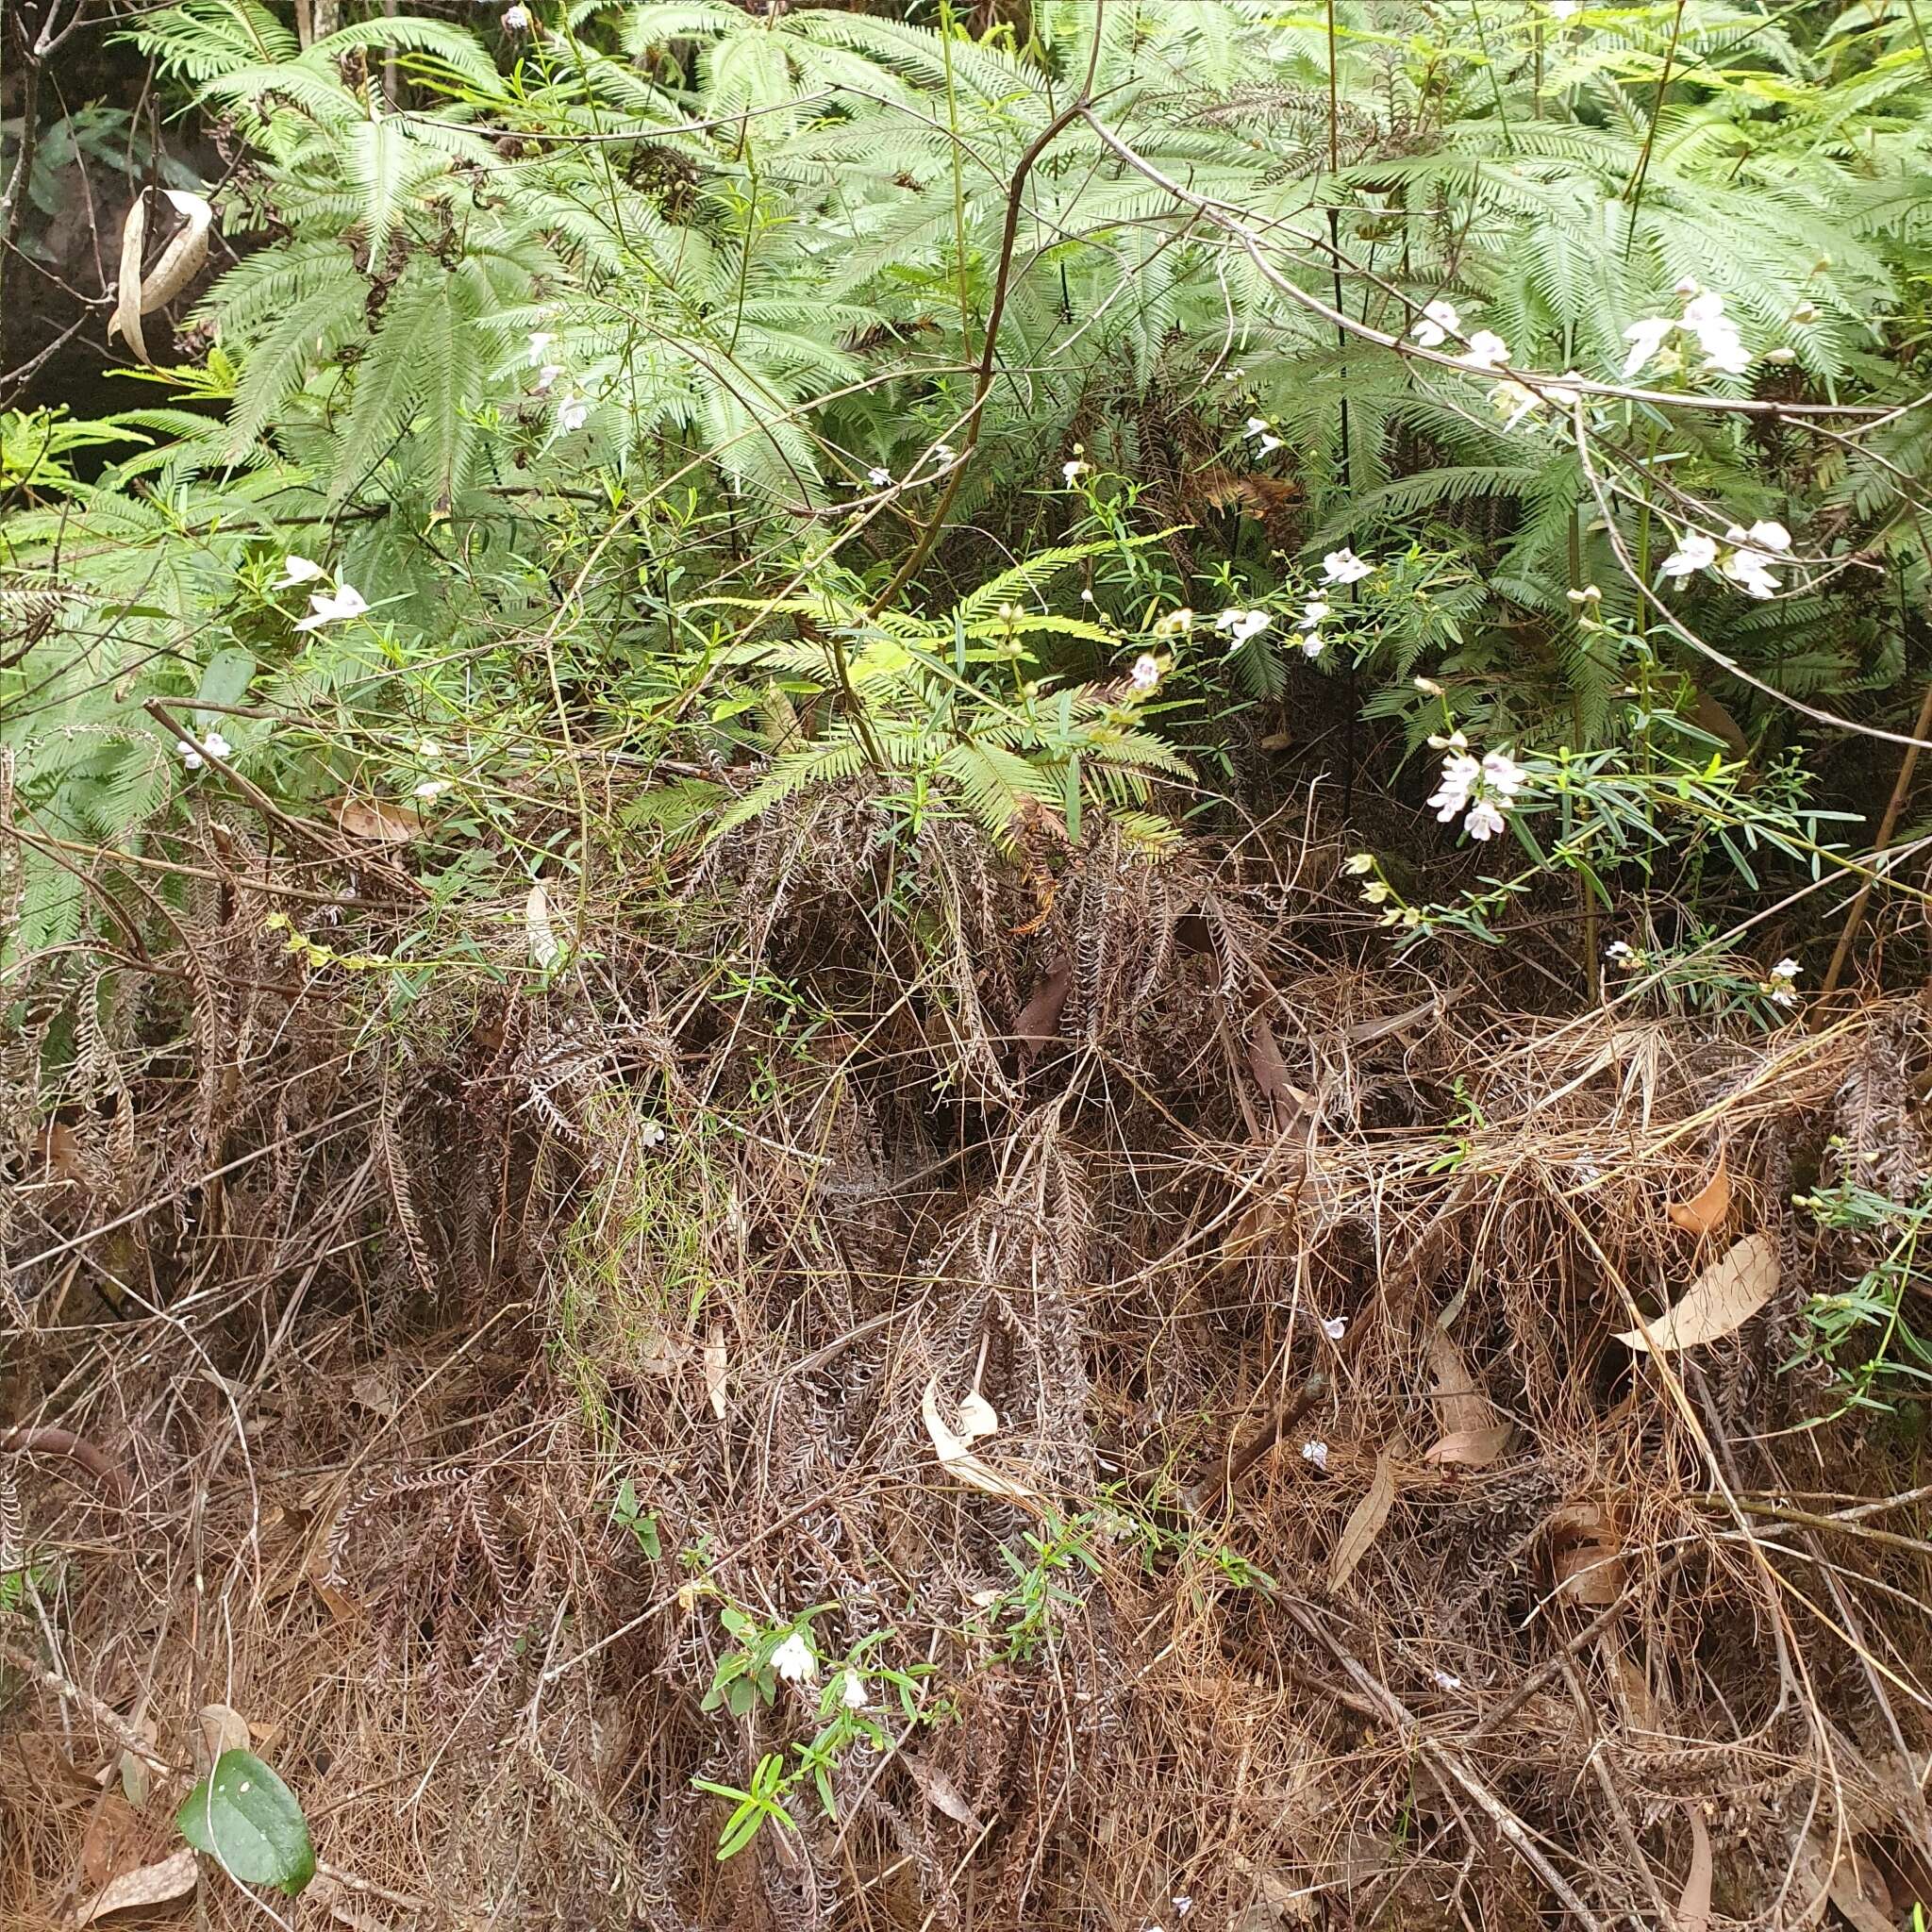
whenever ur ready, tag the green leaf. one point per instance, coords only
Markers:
(249, 1820)
(226, 677)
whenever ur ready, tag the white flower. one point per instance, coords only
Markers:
(944, 453)
(1359, 864)
(1645, 339)
(1428, 687)
(1440, 322)
(1261, 432)
(1786, 970)
(1345, 567)
(327, 606)
(1687, 288)
(429, 749)
(1175, 624)
(652, 1133)
(1565, 10)
(539, 343)
(297, 570)
(1335, 1328)
(1805, 311)
(1705, 309)
(1455, 741)
(195, 755)
(1694, 552)
(1146, 674)
(1446, 1680)
(1313, 643)
(1487, 350)
(852, 1690)
(1502, 774)
(1313, 611)
(1240, 625)
(1072, 469)
(1780, 994)
(879, 477)
(1781, 355)
(1459, 775)
(1316, 1453)
(1619, 949)
(1183, 1904)
(1726, 353)
(434, 787)
(1769, 535)
(793, 1660)
(1750, 569)
(571, 414)
(1513, 401)
(546, 376)
(516, 18)
(1485, 820)
(1716, 333)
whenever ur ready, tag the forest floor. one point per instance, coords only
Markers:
(1228, 1494)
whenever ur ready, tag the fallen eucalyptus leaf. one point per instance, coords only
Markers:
(1365, 1523)
(1693, 1903)
(1723, 1298)
(152, 1885)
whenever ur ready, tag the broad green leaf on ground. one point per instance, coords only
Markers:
(247, 1817)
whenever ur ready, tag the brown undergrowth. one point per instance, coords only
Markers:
(373, 1286)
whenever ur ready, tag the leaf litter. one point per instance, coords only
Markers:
(998, 1355)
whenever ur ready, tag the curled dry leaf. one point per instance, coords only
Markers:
(1039, 1021)
(1586, 1555)
(370, 818)
(1858, 1889)
(715, 1365)
(1471, 1448)
(1694, 1902)
(1459, 1400)
(1705, 1210)
(955, 1450)
(152, 1885)
(181, 260)
(1286, 1101)
(113, 1842)
(1365, 1523)
(222, 1727)
(545, 951)
(1723, 1298)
